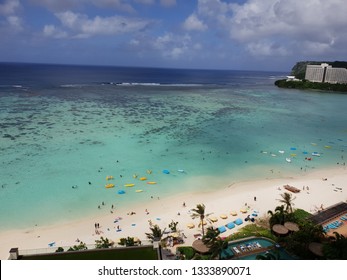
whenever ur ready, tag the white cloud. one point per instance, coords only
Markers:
(173, 46)
(9, 7)
(63, 5)
(267, 26)
(193, 23)
(52, 31)
(83, 27)
(15, 22)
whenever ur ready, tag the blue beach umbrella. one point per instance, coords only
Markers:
(238, 221)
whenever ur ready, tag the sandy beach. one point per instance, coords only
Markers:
(318, 188)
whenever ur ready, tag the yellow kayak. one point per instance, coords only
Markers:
(151, 183)
(129, 185)
(108, 186)
(143, 179)
(139, 191)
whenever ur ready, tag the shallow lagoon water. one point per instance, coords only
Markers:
(60, 140)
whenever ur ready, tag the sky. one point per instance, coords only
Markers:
(197, 34)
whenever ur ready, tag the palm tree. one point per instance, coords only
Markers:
(217, 247)
(199, 212)
(211, 236)
(287, 200)
(279, 216)
(337, 248)
(156, 233)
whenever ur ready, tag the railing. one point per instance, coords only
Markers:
(53, 249)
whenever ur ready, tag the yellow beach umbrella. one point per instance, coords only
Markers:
(233, 213)
(190, 226)
(223, 216)
(214, 219)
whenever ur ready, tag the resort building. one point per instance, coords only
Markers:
(325, 73)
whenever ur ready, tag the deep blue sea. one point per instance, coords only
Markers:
(64, 129)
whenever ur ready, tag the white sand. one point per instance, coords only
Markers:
(163, 211)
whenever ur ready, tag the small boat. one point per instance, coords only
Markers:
(108, 186)
(288, 160)
(151, 183)
(165, 171)
(129, 185)
(281, 152)
(181, 170)
(109, 178)
(138, 191)
(316, 154)
(143, 179)
(149, 171)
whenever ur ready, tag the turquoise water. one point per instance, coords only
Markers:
(60, 141)
(264, 243)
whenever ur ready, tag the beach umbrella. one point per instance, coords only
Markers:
(200, 247)
(291, 226)
(279, 229)
(190, 226)
(213, 219)
(316, 248)
(238, 221)
(223, 216)
(233, 213)
(243, 210)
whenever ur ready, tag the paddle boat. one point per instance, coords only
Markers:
(129, 185)
(288, 160)
(143, 179)
(165, 171)
(108, 186)
(151, 183)
(138, 191)
(316, 154)
(109, 178)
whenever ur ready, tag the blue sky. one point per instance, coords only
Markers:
(206, 34)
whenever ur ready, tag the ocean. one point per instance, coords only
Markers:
(65, 129)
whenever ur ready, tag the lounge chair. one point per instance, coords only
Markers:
(230, 225)
(243, 248)
(237, 251)
(222, 229)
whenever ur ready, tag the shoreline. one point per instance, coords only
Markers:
(162, 211)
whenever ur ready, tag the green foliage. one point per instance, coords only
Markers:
(337, 248)
(128, 242)
(298, 242)
(103, 243)
(156, 233)
(60, 249)
(251, 230)
(187, 252)
(300, 214)
(81, 246)
(211, 235)
(173, 226)
(304, 84)
(287, 200)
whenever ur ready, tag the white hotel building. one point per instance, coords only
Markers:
(325, 73)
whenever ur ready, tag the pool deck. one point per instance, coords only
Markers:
(242, 250)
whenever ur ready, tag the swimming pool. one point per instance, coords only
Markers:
(242, 249)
